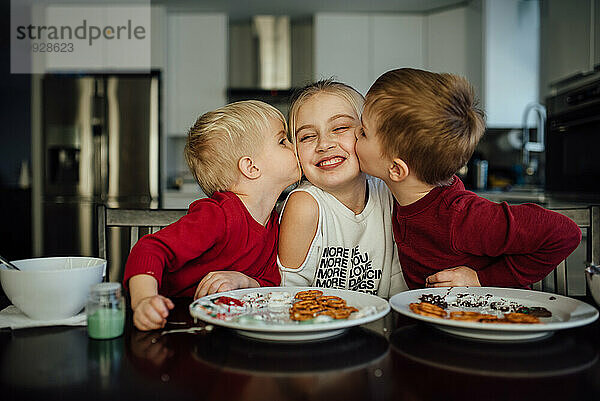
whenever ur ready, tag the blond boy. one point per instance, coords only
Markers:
(242, 159)
(419, 129)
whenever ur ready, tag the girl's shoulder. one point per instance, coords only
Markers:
(301, 204)
(319, 196)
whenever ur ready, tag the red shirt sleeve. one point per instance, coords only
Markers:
(528, 240)
(270, 276)
(175, 245)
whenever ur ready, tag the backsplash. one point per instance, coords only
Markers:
(501, 148)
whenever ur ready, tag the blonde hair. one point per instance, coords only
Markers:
(219, 138)
(429, 120)
(327, 86)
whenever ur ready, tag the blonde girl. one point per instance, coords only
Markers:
(336, 227)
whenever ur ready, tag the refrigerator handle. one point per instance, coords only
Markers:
(99, 136)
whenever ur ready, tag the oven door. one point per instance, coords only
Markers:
(572, 148)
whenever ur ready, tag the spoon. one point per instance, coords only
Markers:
(8, 264)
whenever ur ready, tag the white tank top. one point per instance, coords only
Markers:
(352, 252)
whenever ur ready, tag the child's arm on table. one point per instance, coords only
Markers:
(297, 230)
(219, 281)
(460, 276)
(150, 310)
(528, 240)
(168, 249)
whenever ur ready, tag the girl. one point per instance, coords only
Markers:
(336, 227)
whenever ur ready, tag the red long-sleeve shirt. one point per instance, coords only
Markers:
(508, 246)
(217, 233)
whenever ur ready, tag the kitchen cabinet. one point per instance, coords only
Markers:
(494, 44)
(565, 40)
(342, 45)
(358, 48)
(80, 46)
(397, 41)
(195, 82)
(196, 67)
(454, 43)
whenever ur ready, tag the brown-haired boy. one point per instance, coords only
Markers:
(420, 128)
(242, 159)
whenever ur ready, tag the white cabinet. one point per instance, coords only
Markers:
(195, 82)
(196, 68)
(495, 45)
(454, 43)
(357, 48)
(342, 49)
(397, 41)
(83, 38)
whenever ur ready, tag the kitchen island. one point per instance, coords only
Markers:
(394, 358)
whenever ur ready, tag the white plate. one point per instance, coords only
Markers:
(297, 331)
(566, 313)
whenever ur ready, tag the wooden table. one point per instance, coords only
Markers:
(394, 358)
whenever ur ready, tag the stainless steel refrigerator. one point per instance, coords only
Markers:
(101, 142)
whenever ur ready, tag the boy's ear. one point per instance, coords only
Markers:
(398, 170)
(248, 168)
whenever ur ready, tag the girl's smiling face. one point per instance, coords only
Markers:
(326, 129)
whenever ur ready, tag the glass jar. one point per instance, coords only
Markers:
(105, 311)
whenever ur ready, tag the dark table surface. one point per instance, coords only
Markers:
(394, 358)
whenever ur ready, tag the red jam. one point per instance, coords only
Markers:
(228, 301)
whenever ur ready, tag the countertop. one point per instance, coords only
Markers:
(174, 199)
(394, 358)
(539, 196)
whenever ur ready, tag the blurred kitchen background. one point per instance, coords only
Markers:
(533, 64)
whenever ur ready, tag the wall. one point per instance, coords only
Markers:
(358, 48)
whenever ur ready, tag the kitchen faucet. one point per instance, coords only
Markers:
(530, 166)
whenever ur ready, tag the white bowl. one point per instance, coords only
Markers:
(51, 288)
(593, 280)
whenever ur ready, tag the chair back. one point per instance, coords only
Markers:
(136, 222)
(588, 219)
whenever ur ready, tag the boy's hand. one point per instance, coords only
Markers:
(460, 276)
(151, 312)
(223, 281)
